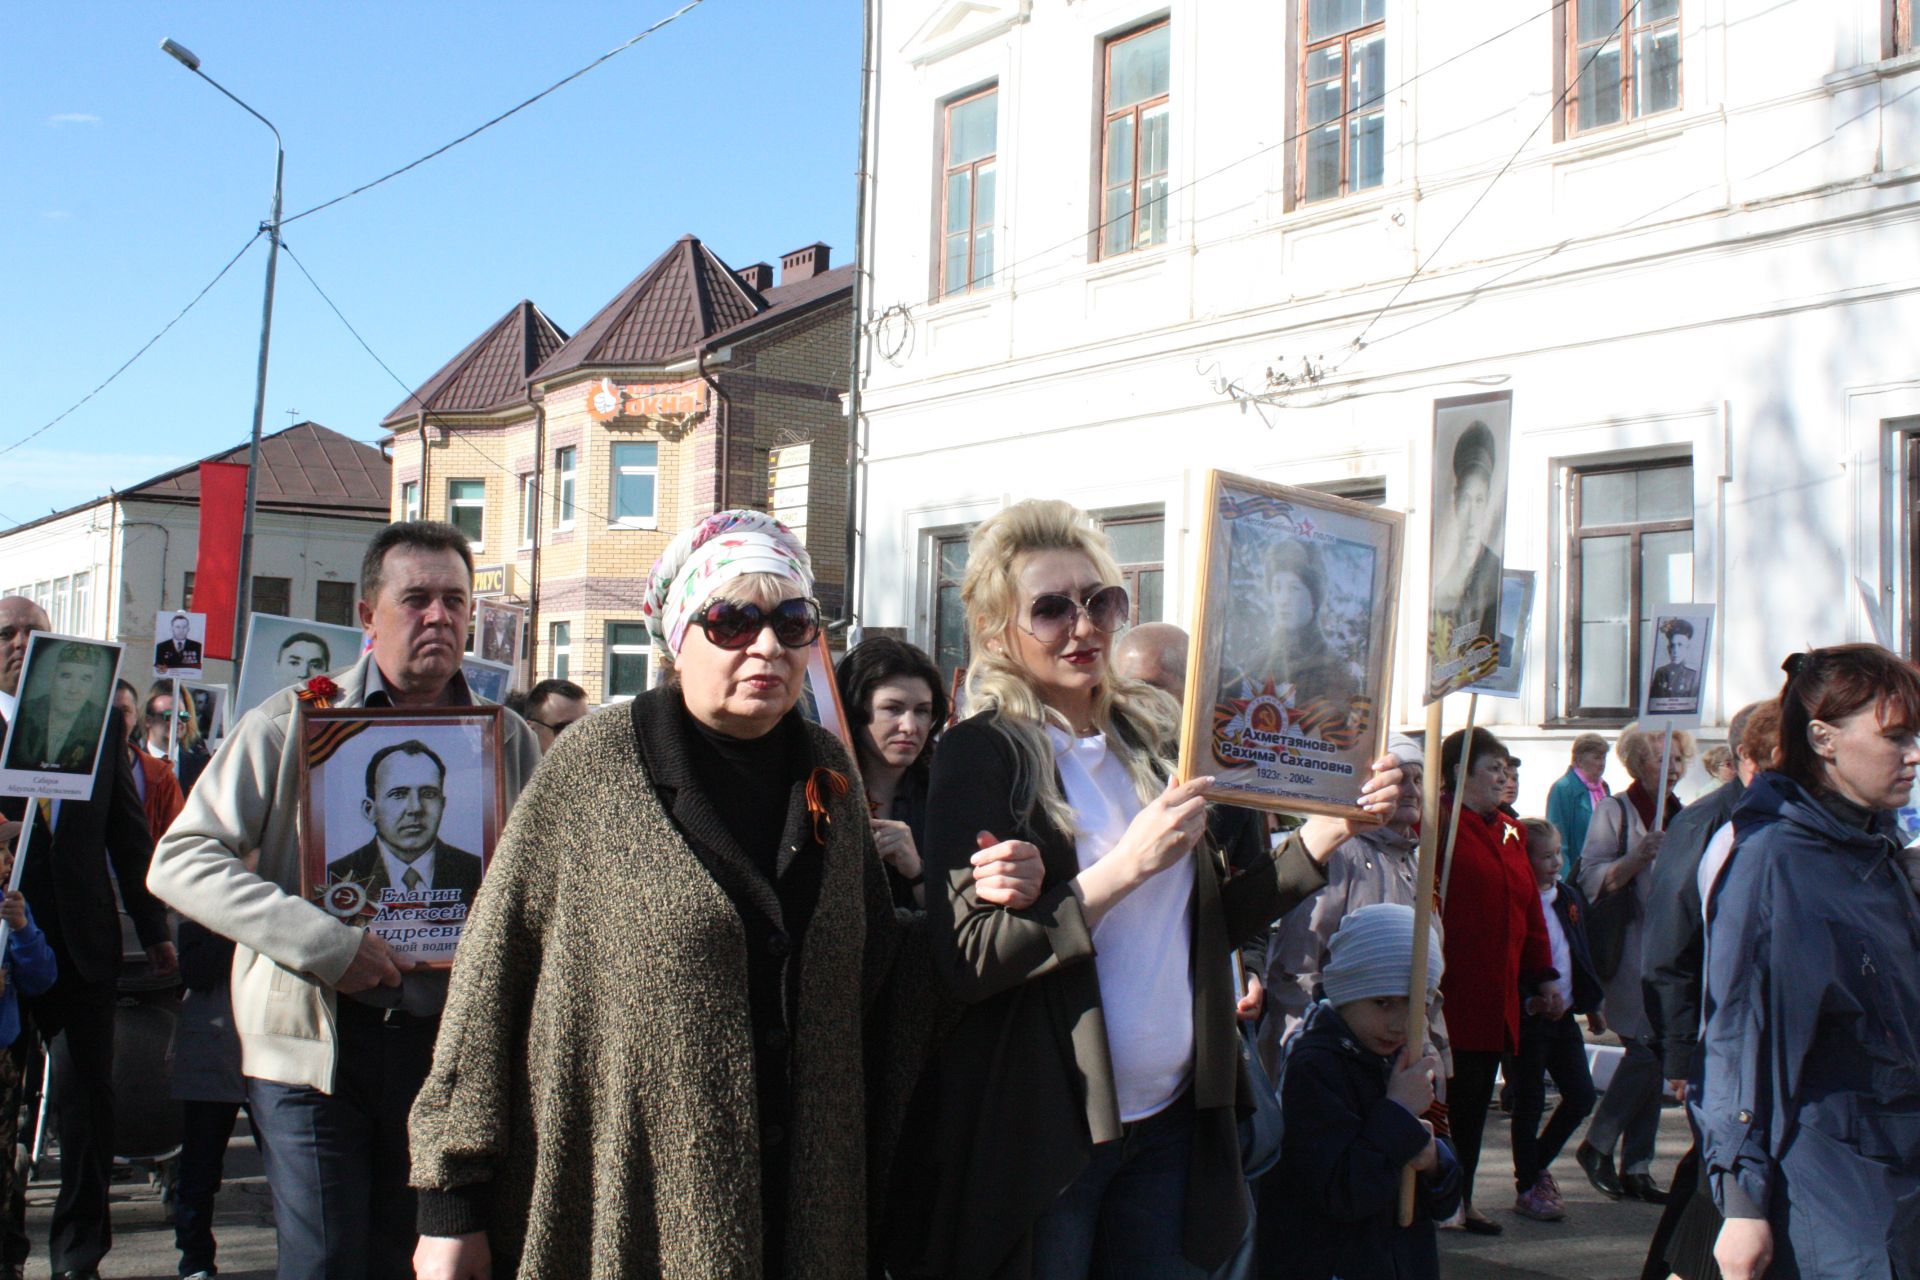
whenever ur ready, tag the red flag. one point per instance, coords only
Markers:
(216, 574)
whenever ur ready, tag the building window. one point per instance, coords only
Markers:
(636, 469)
(410, 500)
(529, 509)
(186, 590)
(1343, 69)
(82, 617)
(467, 509)
(1632, 535)
(273, 595)
(560, 644)
(1133, 164)
(563, 473)
(1139, 545)
(966, 236)
(333, 602)
(949, 621)
(628, 653)
(62, 595)
(1621, 70)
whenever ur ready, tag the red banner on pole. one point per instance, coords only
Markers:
(216, 574)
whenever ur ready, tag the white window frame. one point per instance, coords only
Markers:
(616, 471)
(479, 543)
(644, 650)
(529, 509)
(566, 481)
(82, 623)
(410, 500)
(560, 650)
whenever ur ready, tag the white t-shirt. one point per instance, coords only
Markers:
(1142, 946)
(1557, 939)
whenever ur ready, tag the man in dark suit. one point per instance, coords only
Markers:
(179, 653)
(406, 799)
(66, 881)
(1677, 679)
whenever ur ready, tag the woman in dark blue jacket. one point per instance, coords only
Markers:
(1812, 1110)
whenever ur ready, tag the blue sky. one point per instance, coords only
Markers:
(130, 181)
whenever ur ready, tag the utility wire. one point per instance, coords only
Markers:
(143, 349)
(675, 16)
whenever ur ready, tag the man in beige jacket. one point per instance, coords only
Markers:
(336, 1034)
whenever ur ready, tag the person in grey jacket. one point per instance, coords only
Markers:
(335, 1035)
(1812, 1107)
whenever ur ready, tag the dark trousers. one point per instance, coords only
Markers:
(1121, 1219)
(1469, 1093)
(1629, 1113)
(77, 1018)
(206, 1129)
(337, 1163)
(1548, 1047)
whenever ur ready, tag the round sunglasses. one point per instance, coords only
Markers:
(731, 625)
(1052, 615)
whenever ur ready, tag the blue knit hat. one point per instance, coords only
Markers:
(1371, 954)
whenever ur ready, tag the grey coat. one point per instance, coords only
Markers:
(1626, 1003)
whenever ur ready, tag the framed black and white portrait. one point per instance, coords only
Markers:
(179, 644)
(1674, 687)
(55, 734)
(1516, 616)
(1470, 456)
(285, 653)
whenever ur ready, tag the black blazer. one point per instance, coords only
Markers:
(1674, 949)
(68, 886)
(452, 869)
(1570, 905)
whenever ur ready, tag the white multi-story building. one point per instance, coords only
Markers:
(1115, 243)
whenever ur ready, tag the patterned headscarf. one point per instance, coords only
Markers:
(725, 545)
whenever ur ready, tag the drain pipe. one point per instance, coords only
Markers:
(849, 613)
(723, 426)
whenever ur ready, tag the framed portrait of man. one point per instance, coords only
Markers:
(209, 709)
(496, 632)
(179, 643)
(490, 680)
(1675, 684)
(1291, 660)
(284, 653)
(60, 720)
(1471, 436)
(1516, 616)
(401, 811)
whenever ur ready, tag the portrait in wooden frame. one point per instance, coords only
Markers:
(1290, 662)
(386, 791)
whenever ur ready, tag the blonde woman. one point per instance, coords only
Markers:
(1622, 843)
(1083, 1119)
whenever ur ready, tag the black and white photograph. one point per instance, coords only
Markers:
(53, 740)
(402, 813)
(1290, 667)
(179, 644)
(285, 653)
(496, 632)
(1470, 457)
(1676, 662)
(489, 680)
(209, 709)
(1516, 615)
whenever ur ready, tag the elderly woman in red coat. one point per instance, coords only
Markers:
(1496, 942)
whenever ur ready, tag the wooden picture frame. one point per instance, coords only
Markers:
(349, 838)
(1290, 663)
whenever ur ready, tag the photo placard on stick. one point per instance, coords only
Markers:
(489, 680)
(1516, 615)
(1674, 685)
(401, 810)
(209, 709)
(1291, 660)
(1470, 456)
(60, 722)
(179, 641)
(285, 652)
(496, 632)
(820, 700)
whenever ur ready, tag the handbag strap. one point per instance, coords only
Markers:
(1626, 820)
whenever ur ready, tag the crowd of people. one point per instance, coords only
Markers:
(985, 995)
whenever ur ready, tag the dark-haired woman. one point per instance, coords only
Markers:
(894, 703)
(1812, 1109)
(1495, 940)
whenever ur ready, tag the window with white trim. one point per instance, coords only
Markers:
(529, 509)
(636, 475)
(968, 182)
(410, 500)
(628, 654)
(467, 509)
(560, 645)
(564, 462)
(1136, 140)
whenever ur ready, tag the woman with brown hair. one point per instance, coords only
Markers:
(1812, 1112)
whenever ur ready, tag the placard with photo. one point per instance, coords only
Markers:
(1470, 457)
(489, 680)
(496, 632)
(179, 644)
(285, 653)
(820, 698)
(209, 709)
(54, 738)
(1291, 660)
(1516, 615)
(401, 809)
(1674, 687)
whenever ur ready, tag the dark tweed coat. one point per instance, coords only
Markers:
(594, 1089)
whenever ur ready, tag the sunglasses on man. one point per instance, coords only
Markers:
(731, 625)
(1053, 615)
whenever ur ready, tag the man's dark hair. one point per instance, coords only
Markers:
(307, 637)
(428, 535)
(1737, 727)
(516, 702)
(1484, 745)
(538, 695)
(872, 663)
(1676, 627)
(123, 686)
(411, 747)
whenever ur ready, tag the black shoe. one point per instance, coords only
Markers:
(1640, 1186)
(1477, 1226)
(89, 1273)
(1598, 1166)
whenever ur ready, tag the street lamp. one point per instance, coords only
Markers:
(243, 604)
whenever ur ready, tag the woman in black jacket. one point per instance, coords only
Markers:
(891, 693)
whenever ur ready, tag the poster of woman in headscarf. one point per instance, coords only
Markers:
(1290, 665)
(1470, 456)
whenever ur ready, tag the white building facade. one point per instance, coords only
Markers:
(1115, 243)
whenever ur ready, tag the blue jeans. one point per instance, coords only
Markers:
(1121, 1218)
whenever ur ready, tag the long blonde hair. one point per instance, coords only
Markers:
(1138, 719)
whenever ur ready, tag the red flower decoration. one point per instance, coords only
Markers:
(320, 692)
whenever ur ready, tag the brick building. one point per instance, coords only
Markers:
(572, 461)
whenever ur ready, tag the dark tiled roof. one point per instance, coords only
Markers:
(491, 373)
(789, 300)
(684, 298)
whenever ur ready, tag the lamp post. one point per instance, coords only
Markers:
(243, 601)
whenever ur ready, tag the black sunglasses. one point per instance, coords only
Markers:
(730, 625)
(1052, 615)
(555, 729)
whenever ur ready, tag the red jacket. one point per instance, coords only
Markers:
(1496, 934)
(161, 795)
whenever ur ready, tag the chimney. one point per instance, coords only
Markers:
(804, 264)
(758, 277)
